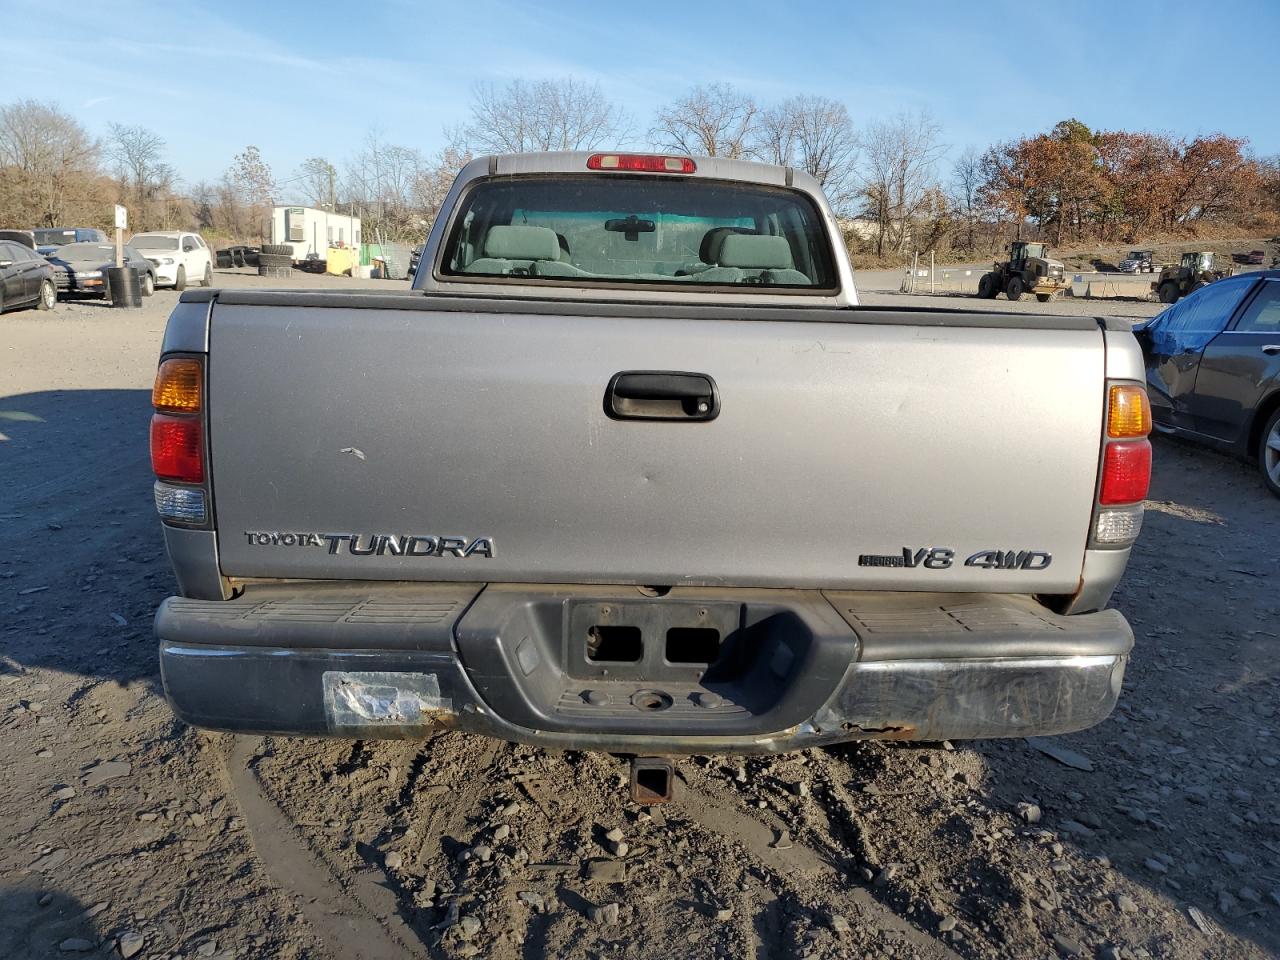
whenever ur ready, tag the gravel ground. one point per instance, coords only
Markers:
(124, 833)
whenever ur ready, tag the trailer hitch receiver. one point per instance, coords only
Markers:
(652, 779)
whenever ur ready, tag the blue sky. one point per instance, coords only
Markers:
(313, 78)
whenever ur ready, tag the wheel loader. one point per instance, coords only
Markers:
(1195, 271)
(1027, 270)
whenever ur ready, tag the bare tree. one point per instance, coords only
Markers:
(813, 134)
(434, 181)
(138, 154)
(564, 114)
(48, 165)
(898, 175)
(714, 120)
(245, 194)
(966, 178)
(319, 181)
(379, 183)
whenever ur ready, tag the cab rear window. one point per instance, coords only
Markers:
(639, 230)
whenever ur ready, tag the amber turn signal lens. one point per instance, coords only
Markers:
(177, 388)
(1128, 412)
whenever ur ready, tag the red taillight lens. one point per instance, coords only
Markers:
(1126, 472)
(177, 450)
(640, 163)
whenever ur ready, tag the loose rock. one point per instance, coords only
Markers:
(130, 944)
(393, 860)
(533, 899)
(1066, 946)
(603, 870)
(106, 770)
(1200, 920)
(1030, 812)
(606, 914)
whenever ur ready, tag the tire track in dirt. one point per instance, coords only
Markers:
(806, 863)
(348, 915)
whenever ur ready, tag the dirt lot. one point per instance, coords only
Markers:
(124, 833)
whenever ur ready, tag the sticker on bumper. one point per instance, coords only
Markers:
(383, 699)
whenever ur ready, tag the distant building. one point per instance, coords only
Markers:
(866, 229)
(863, 228)
(311, 231)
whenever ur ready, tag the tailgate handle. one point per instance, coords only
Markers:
(661, 395)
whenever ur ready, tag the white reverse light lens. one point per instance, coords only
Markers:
(184, 504)
(1118, 526)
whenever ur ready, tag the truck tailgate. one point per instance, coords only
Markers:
(420, 444)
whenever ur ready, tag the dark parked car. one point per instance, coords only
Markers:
(414, 257)
(25, 237)
(1256, 257)
(1213, 368)
(26, 278)
(49, 239)
(83, 268)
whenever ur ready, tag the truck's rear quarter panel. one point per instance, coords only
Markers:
(834, 440)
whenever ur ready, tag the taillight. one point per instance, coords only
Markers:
(1126, 466)
(1128, 411)
(178, 385)
(640, 163)
(177, 448)
(1126, 472)
(177, 440)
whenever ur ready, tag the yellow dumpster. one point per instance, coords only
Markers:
(340, 261)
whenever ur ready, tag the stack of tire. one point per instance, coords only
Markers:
(275, 260)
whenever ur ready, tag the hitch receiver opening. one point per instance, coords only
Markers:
(652, 779)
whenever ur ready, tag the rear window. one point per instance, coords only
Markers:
(152, 241)
(54, 237)
(639, 230)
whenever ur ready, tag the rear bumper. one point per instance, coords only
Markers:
(844, 666)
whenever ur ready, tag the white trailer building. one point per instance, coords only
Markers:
(309, 231)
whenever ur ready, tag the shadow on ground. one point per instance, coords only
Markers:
(83, 567)
(37, 921)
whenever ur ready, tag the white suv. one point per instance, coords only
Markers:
(179, 257)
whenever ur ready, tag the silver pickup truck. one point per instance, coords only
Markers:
(630, 470)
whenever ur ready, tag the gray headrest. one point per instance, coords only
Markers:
(522, 243)
(755, 252)
(709, 249)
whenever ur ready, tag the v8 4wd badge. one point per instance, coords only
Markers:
(942, 558)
